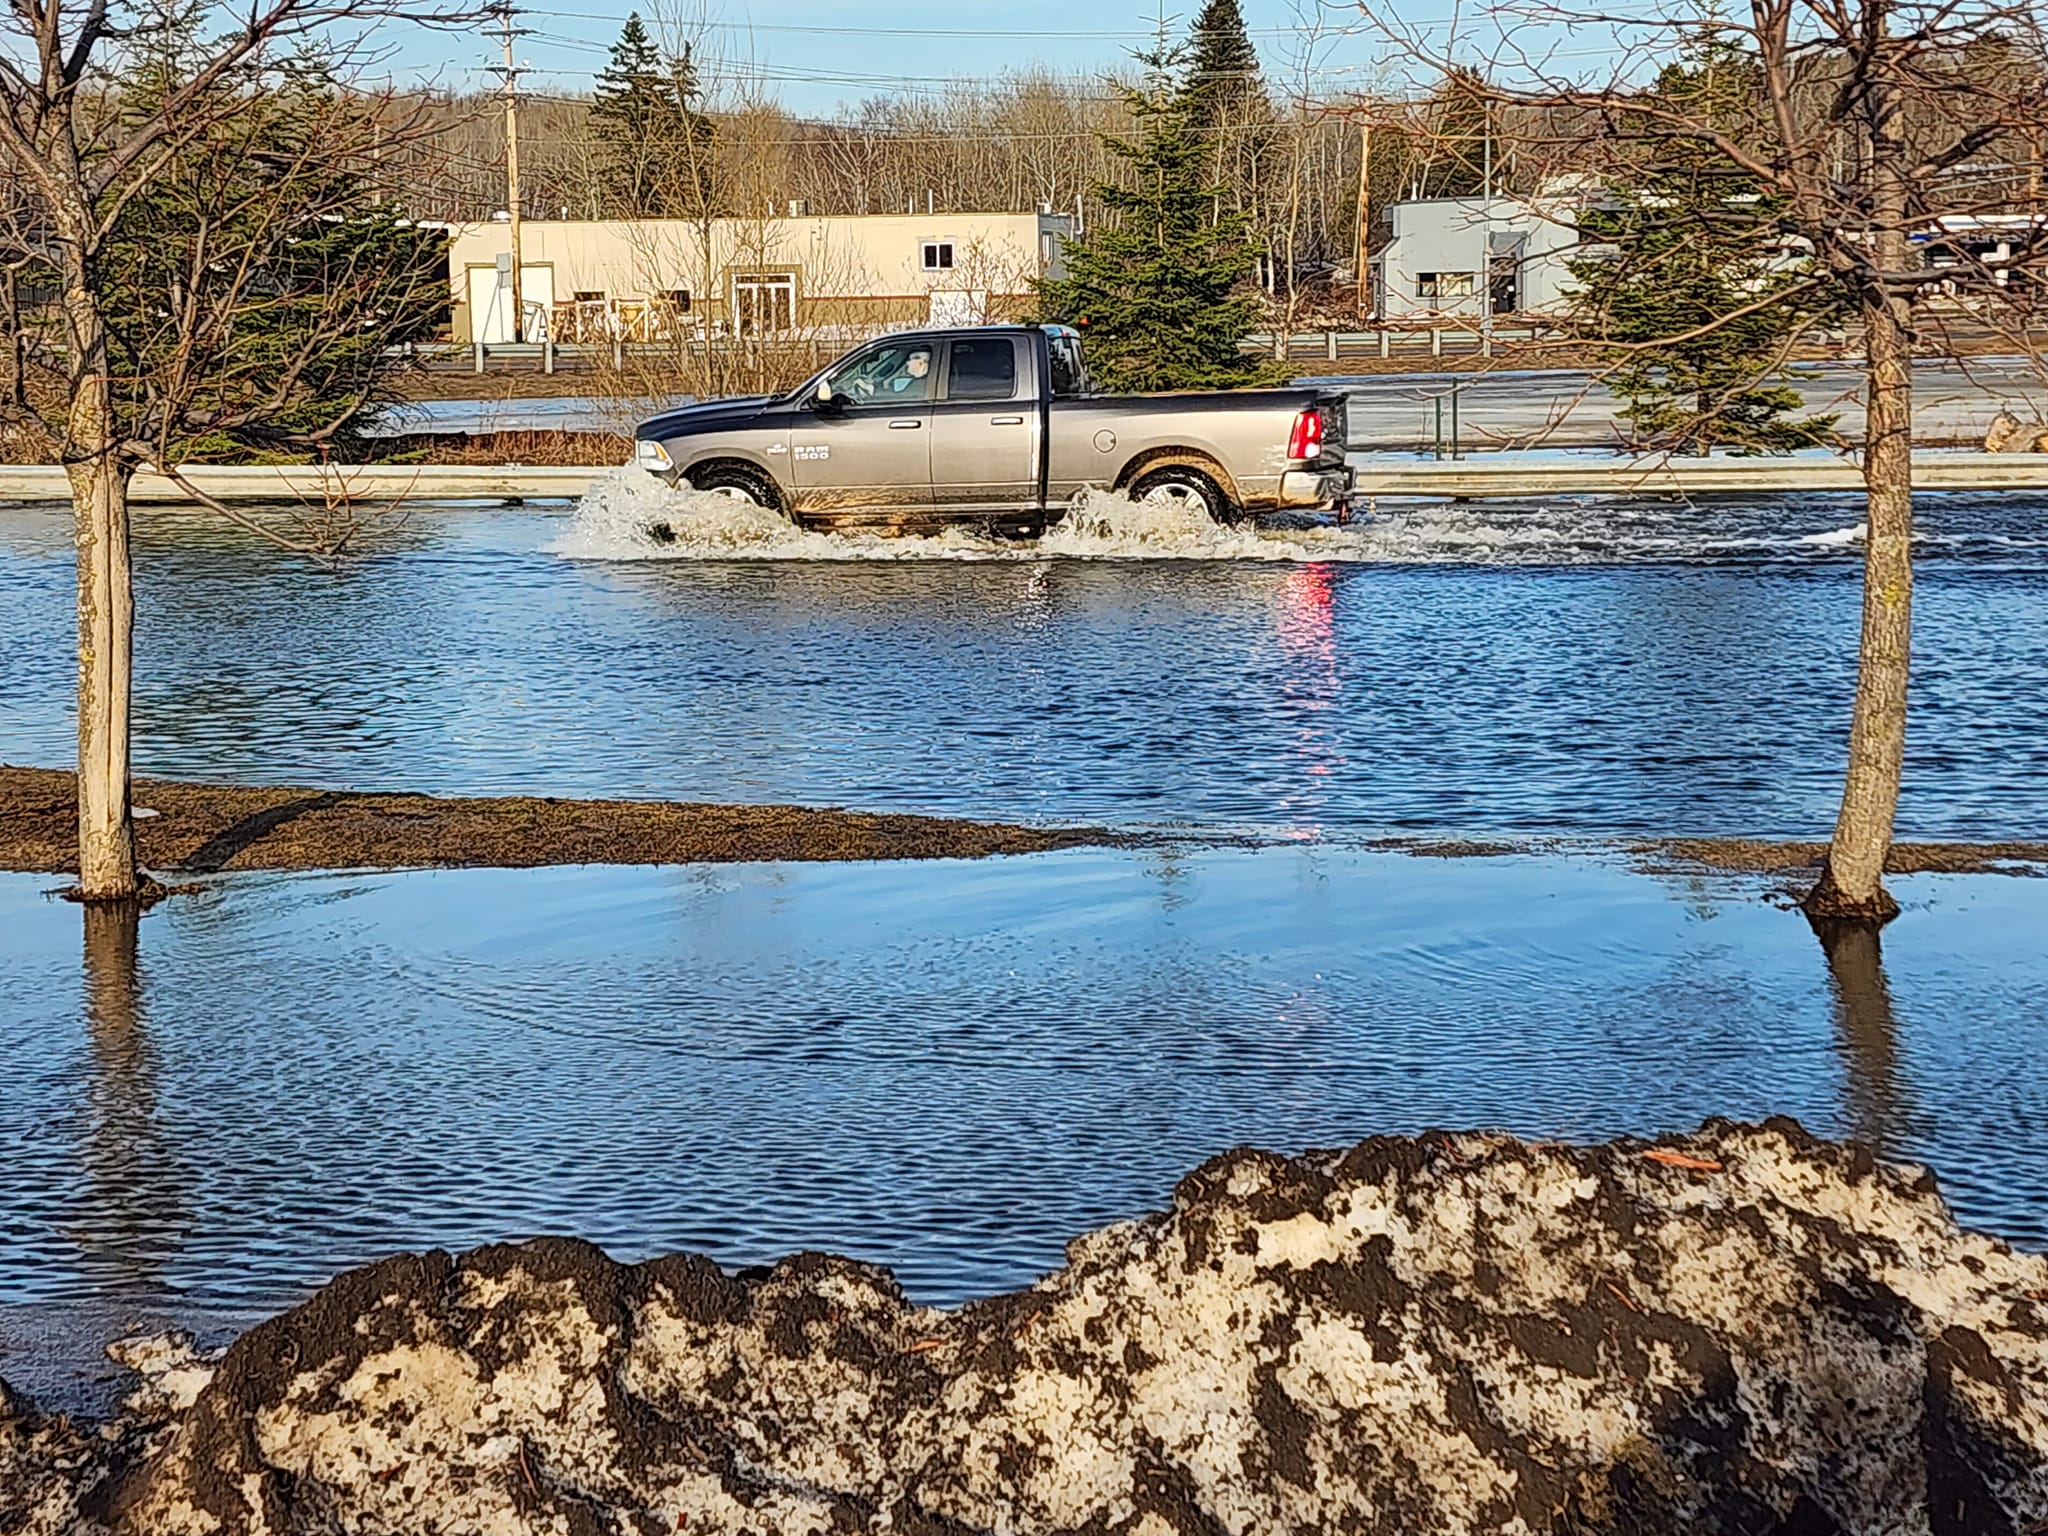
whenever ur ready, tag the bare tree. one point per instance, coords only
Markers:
(105, 394)
(1880, 125)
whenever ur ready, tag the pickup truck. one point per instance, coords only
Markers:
(997, 428)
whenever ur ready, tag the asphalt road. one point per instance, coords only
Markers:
(1570, 409)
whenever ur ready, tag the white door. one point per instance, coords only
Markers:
(490, 302)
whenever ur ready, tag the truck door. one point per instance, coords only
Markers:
(985, 429)
(868, 450)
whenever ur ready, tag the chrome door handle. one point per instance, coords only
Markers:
(905, 426)
(1006, 421)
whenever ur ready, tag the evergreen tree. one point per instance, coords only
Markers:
(1454, 160)
(1223, 67)
(1227, 105)
(1158, 284)
(1692, 263)
(656, 141)
(260, 262)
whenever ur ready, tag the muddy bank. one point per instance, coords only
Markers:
(1744, 1331)
(1798, 862)
(1756, 856)
(202, 828)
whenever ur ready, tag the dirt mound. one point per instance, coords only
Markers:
(205, 828)
(1746, 1331)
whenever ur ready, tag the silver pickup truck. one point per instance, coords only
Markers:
(997, 428)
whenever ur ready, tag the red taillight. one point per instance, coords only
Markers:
(1306, 441)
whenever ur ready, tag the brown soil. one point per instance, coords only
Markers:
(201, 828)
(1758, 857)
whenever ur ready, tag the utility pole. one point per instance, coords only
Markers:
(1364, 244)
(503, 13)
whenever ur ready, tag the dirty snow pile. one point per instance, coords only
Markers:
(1744, 1331)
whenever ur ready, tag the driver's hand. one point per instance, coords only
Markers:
(864, 387)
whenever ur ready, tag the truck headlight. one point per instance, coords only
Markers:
(652, 457)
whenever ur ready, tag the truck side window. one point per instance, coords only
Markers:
(984, 368)
(1068, 376)
(895, 374)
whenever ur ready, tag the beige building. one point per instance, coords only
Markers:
(654, 280)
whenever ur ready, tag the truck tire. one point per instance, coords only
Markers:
(1179, 485)
(742, 482)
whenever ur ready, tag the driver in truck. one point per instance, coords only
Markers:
(911, 383)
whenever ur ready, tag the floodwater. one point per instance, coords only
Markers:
(950, 1068)
(1578, 666)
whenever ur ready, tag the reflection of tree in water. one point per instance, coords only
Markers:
(1866, 1030)
(132, 1210)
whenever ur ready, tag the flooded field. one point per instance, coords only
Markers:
(1591, 667)
(949, 1068)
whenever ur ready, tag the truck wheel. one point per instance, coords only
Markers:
(742, 482)
(1179, 486)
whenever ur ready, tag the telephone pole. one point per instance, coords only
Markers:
(503, 14)
(1364, 239)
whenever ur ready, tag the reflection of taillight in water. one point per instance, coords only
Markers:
(1306, 441)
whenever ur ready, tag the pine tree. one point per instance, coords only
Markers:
(1158, 285)
(1227, 105)
(305, 282)
(1454, 160)
(1223, 67)
(645, 114)
(1685, 282)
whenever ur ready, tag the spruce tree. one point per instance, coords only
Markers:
(1692, 262)
(306, 281)
(655, 140)
(1453, 161)
(1223, 67)
(1157, 286)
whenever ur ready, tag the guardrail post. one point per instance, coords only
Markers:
(1386, 343)
(1331, 337)
(618, 355)
(1436, 341)
(547, 355)
(479, 348)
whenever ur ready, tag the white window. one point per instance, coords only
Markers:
(763, 302)
(938, 255)
(1444, 285)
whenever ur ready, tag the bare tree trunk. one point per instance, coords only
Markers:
(1852, 883)
(106, 623)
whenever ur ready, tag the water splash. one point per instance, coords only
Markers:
(615, 519)
(617, 515)
(1837, 537)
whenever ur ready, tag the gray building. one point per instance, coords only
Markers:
(1470, 257)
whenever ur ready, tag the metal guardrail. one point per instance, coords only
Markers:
(1688, 477)
(321, 484)
(1504, 475)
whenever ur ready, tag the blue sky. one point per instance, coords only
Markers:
(817, 53)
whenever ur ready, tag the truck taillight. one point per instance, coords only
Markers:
(1306, 441)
